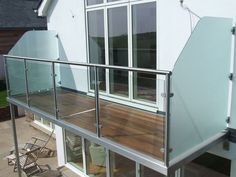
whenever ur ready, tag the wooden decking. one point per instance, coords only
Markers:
(137, 129)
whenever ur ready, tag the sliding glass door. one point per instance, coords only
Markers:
(144, 50)
(96, 46)
(124, 35)
(118, 49)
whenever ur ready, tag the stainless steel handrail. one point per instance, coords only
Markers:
(143, 70)
(165, 73)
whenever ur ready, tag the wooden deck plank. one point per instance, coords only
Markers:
(134, 128)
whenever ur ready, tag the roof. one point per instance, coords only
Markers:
(20, 14)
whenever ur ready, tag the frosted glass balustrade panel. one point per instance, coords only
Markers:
(40, 85)
(75, 105)
(200, 85)
(16, 78)
(37, 44)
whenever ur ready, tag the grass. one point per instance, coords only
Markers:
(3, 94)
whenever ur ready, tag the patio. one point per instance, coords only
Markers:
(25, 131)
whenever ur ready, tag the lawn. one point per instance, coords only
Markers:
(3, 94)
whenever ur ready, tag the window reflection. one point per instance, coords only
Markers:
(147, 172)
(93, 2)
(118, 49)
(74, 149)
(96, 159)
(144, 49)
(121, 166)
(96, 44)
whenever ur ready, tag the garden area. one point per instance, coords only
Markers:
(4, 108)
(3, 94)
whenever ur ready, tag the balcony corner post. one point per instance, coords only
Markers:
(167, 118)
(15, 139)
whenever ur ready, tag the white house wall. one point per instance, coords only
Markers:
(173, 24)
(68, 19)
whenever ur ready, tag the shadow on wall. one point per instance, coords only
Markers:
(67, 72)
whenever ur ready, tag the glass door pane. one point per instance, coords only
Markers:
(96, 44)
(93, 2)
(73, 145)
(144, 49)
(96, 159)
(118, 49)
(112, 0)
(147, 172)
(121, 166)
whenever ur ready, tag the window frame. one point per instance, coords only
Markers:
(41, 124)
(129, 100)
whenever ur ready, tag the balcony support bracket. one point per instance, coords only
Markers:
(231, 76)
(233, 30)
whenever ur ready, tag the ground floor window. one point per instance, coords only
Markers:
(147, 172)
(96, 161)
(43, 122)
(121, 166)
(73, 147)
(208, 165)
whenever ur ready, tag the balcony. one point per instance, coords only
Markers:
(186, 118)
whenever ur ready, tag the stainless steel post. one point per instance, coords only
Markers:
(96, 82)
(137, 169)
(85, 162)
(167, 117)
(15, 139)
(26, 83)
(54, 90)
(108, 166)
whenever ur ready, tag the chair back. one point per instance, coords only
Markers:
(46, 142)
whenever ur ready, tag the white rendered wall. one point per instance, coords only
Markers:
(68, 19)
(174, 24)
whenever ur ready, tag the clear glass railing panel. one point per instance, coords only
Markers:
(40, 85)
(138, 125)
(144, 87)
(119, 82)
(74, 104)
(37, 44)
(16, 78)
(200, 85)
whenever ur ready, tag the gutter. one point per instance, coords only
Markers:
(43, 8)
